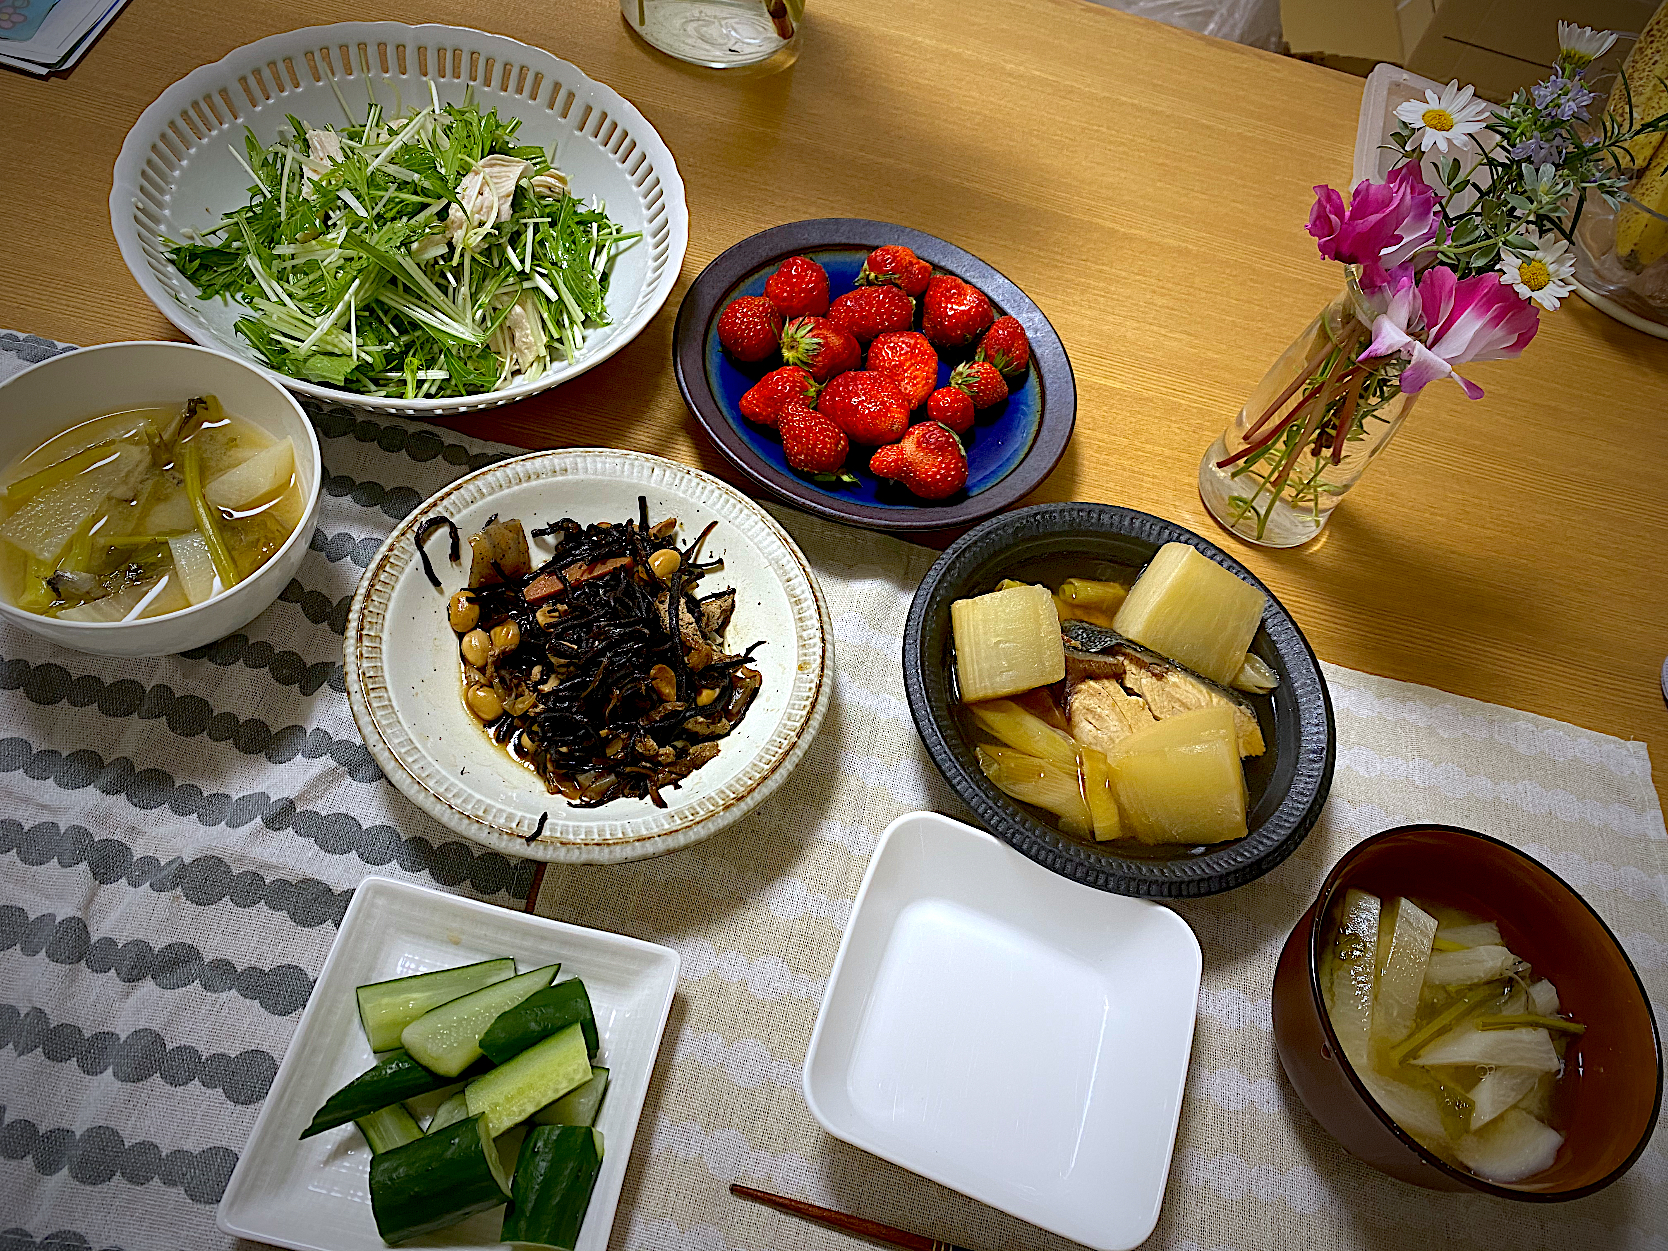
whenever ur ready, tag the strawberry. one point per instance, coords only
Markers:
(749, 328)
(820, 346)
(908, 359)
(870, 311)
(764, 400)
(980, 379)
(897, 265)
(868, 406)
(929, 461)
(1006, 347)
(956, 312)
(798, 288)
(952, 407)
(812, 443)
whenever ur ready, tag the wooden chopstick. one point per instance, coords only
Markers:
(888, 1234)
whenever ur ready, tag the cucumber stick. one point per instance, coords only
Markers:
(539, 1016)
(577, 1107)
(447, 1039)
(386, 1008)
(393, 1079)
(436, 1181)
(453, 1110)
(512, 1092)
(390, 1127)
(554, 1176)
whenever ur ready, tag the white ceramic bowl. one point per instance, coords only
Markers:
(178, 169)
(403, 679)
(56, 394)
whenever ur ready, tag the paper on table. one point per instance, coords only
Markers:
(20, 19)
(63, 37)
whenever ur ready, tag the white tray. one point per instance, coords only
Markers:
(1008, 1032)
(177, 171)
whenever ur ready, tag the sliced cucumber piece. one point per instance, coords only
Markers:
(393, 1079)
(436, 1181)
(539, 1016)
(447, 1039)
(453, 1110)
(554, 1176)
(512, 1092)
(577, 1107)
(389, 1127)
(386, 1008)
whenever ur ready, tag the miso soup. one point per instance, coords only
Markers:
(143, 512)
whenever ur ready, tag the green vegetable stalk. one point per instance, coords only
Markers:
(190, 463)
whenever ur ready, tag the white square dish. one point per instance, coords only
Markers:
(1008, 1033)
(313, 1195)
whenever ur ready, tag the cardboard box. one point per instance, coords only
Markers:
(1496, 45)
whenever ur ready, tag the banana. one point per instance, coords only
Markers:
(1640, 238)
(1645, 69)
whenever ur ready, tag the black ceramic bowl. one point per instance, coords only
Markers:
(1012, 447)
(1287, 784)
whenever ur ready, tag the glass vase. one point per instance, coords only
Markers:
(1307, 433)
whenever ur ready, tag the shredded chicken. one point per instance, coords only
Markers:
(324, 148)
(520, 340)
(485, 194)
(552, 185)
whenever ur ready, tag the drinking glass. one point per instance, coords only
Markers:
(722, 34)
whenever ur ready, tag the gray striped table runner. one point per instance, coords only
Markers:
(179, 837)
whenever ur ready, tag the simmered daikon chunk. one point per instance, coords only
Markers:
(1525, 1048)
(1483, 934)
(1185, 792)
(256, 480)
(1498, 1090)
(1543, 998)
(1404, 951)
(44, 525)
(194, 565)
(1509, 1148)
(1352, 977)
(1196, 725)
(1186, 606)
(1007, 642)
(1469, 966)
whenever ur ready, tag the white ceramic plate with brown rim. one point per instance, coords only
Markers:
(404, 681)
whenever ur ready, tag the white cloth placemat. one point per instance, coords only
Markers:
(179, 837)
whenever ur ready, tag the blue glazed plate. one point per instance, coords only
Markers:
(1012, 447)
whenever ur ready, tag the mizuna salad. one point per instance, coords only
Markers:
(421, 256)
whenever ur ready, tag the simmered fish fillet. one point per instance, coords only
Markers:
(1103, 714)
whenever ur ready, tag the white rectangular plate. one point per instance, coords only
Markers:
(1008, 1033)
(312, 1195)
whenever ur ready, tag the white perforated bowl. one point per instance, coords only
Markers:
(177, 170)
(403, 679)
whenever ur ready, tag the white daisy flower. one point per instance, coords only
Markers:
(1580, 46)
(1541, 274)
(1451, 117)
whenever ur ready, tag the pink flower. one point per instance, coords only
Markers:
(1385, 225)
(1472, 319)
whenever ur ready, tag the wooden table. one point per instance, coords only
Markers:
(1148, 188)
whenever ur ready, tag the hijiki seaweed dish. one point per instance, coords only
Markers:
(603, 669)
